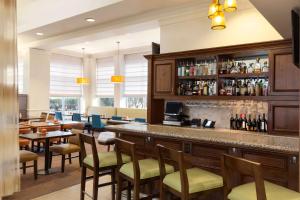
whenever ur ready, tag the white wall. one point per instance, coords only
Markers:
(37, 81)
(194, 32)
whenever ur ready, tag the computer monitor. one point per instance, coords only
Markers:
(173, 108)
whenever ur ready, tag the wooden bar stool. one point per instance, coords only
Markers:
(27, 156)
(257, 190)
(137, 172)
(185, 183)
(104, 163)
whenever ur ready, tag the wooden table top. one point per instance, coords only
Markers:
(50, 134)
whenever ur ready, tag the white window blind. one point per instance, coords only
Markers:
(20, 77)
(63, 73)
(104, 71)
(136, 75)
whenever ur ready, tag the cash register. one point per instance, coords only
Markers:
(173, 115)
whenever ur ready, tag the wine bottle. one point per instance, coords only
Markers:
(205, 89)
(254, 126)
(245, 122)
(232, 122)
(237, 122)
(258, 124)
(249, 124)
(263, 125)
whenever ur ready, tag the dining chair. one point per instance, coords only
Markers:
(59, 116)
(259, 189)
(115, 117)
(51, 117)
(28, 156)
(73, 146)
(101, 164)
(43, 116)
(97, 124)
(185, 183)
(76, 117)
(140, 120)
(24, 143)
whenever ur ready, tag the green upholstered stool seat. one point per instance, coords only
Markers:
(199, 180)
(106, 159)
(273, 192)
(149, 168)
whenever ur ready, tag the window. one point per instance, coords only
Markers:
(107, 102)
(136, 77)
(66, 105)
(63, 73)
(104, 71)
(20, 77)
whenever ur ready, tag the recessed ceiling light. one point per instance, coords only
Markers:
(90, 20)
(39, 34)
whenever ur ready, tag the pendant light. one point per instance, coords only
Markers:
(82, 80)
(230, 5)
(212, 9)
(118, 78)
(218, 20)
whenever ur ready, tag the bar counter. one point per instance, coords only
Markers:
(233, 138)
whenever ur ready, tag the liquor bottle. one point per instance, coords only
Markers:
(265, 67)
(258, 124)
(234, 68)
(254, 126)
(237, 122)
(243, 88)
(222, 89)
(257, 66)
(223, 68)
(249, 124)
(214, 88)
(234, 89)
(205, 89)
(238, 91)
(257, 88)
(263, 124)
(228, 66)
(187, 70)
(179, 66)
(232, 122)
(196, 88)
(192, 69)
(265, 88)
(250, 69)
(243, 67)
(248, 87)
(183, 69)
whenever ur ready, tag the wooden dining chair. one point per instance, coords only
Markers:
(101, 164)
(51, 117)
(233, 168)
(28, 156)
(137, 172)
(24, 143)
(43, 116)
(185, 183)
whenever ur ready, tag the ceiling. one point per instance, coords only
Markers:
(127, 41)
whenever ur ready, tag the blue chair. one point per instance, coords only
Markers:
(116, 117)
(97, 124)
(76, 117)
(58, 116)
(140, 120)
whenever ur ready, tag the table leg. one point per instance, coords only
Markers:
(47, 144)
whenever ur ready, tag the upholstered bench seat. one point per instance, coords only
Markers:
(273, 192)
(26, 156)
(148, 168)
(65, 148)
(199, 180)
(106, 159)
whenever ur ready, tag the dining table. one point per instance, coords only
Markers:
(35, 125)
(47, 136)
(68, 124)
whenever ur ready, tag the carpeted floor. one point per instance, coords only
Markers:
(31, 188)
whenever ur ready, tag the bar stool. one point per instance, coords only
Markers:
(106, 138)
(137, 172)
(185, 183)
(27, 156)
(100, 164)
(257, 190)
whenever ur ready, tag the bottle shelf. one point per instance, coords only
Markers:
(196, 97)
(203, 77)
(248, 75)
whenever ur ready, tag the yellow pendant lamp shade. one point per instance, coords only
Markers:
(82, 80)
(212, 9)
(218, 21)
(230, 5)
(117, 79)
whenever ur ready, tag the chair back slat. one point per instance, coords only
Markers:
(96, 122)
(128, 148)
(90, 140)
(58, 116)
(177, 156)
(76, 117)
(232, 165)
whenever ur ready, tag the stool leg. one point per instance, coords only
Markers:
(136, 190)
(129, 190)
(108, 148)
(80, 163)
(24, 167)
(113, 186)
(95, 184)
(50, 159)
(83, 179)
(70, 159)
(63, 158)
(35, 169)
(162, 194)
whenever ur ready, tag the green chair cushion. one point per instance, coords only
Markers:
(106, 159)
(273, 192)
(149, 168)
(198, 179)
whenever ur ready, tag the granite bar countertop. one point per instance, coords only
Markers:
(233, 138)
